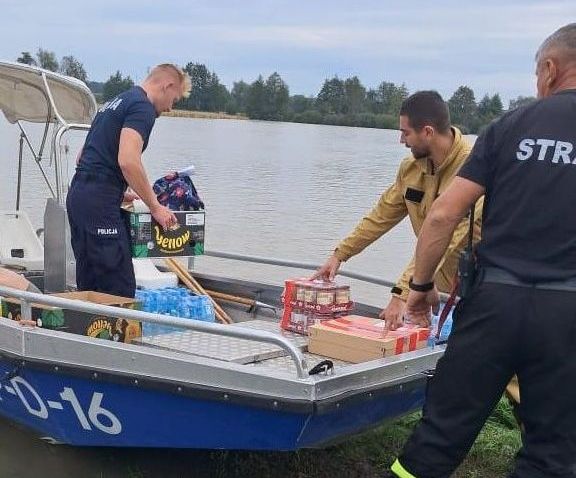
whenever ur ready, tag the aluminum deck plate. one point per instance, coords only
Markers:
(285, 364)
(229, 349)
(299, 340)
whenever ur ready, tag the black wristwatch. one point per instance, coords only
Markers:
(420, 287)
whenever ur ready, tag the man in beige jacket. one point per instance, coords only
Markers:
(438, 151)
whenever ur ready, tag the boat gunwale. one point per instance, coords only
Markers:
(76, 355)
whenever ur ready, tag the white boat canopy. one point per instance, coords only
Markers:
(31, 94)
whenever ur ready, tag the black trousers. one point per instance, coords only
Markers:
(501, 330)
(100, 236)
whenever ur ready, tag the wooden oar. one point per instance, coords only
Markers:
(194, 286)
(231, 298)
(251, 303)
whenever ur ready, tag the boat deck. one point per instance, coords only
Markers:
(267, 357)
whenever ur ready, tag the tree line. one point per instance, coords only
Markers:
(344, 102)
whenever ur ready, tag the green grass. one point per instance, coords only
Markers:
(364, 456)
(369, 454)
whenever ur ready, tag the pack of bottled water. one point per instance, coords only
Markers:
(444, 331)
(176, 302)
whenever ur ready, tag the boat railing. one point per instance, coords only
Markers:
(305, 265)
(27, 299)
(297, 265)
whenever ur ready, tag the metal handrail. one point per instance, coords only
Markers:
(306, 265)
(29, 298)
(59, 169)
(297, 265)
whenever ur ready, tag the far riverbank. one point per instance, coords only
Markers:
(203, 115)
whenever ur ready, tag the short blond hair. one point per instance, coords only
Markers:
(171, 69)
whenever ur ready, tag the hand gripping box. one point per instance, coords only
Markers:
(359, 339)
(149, 239)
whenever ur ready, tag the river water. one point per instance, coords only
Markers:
(282, 190)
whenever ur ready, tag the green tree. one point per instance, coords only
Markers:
(332, 97)
(200, 78)
(72, 67)
(26, 58)
(496, 106)
(463, 109)
(47, 59)
(520, 101)
(373, 101)
(355, 96)
(207, 94)
(299, 104)
(278, 96)
(484, 107)
(115, 85)
(256, 106)
(489, 108)
(239, 97)
(391, 97)
(216, 95)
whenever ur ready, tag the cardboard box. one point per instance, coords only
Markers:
(82, 323)
(359, 339)
(150, 240)
(101, 326)
(43, 315)
(299, 313)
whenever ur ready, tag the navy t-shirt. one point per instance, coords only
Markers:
(131, 109)
(526, 160)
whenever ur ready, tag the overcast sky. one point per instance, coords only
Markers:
(488, 45)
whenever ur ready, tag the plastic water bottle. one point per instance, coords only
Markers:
(446, 327)
(207, 310)
(175, 302)
(433, 330)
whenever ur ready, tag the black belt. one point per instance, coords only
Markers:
(99, 177)
(495, 275)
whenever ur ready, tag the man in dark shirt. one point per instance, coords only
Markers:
(110, 161)
(520, 315)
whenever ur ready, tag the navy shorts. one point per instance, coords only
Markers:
(100, 235)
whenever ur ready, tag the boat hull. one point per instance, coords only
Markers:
(75, 410)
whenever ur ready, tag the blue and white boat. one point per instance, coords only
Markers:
(211, 386)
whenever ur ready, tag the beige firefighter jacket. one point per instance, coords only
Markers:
(417, 185)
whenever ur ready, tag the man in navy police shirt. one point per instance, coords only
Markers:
(109, 162)
(520, 316)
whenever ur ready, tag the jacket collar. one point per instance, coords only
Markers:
(455, 151)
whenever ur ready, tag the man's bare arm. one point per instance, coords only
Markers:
(445, 215)
(130, 162)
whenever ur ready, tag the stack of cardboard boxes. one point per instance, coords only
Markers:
(322, 311)
(309, 302)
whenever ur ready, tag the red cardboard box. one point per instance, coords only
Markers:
(309, 302)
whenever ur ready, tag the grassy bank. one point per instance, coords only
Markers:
(202, 115)
(364, 456)
(369, 454)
